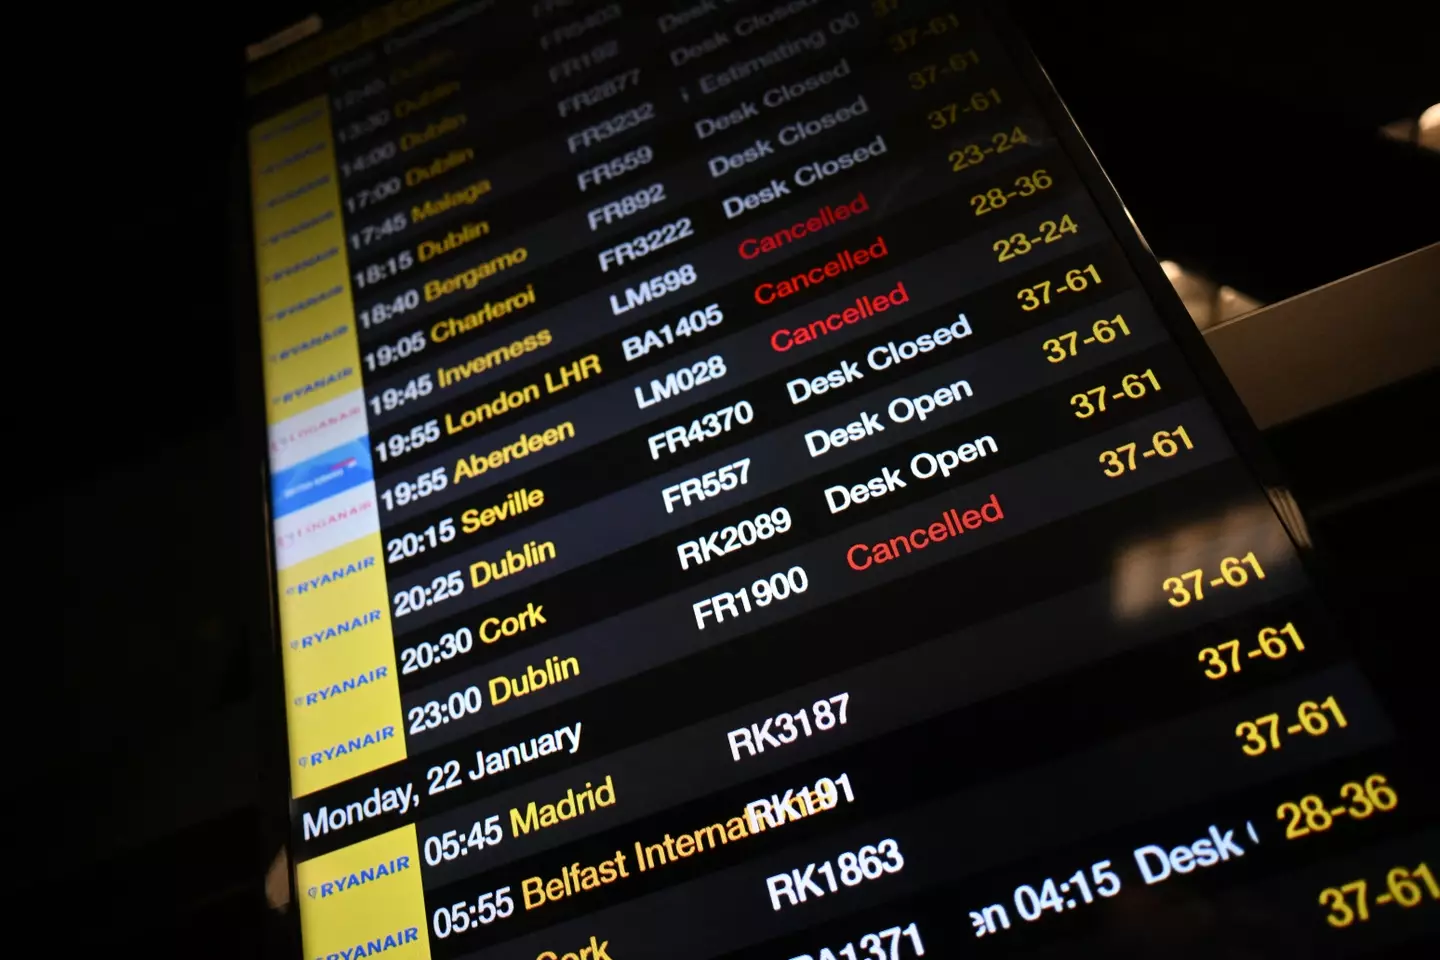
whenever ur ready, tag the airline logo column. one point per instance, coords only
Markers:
(342, 691)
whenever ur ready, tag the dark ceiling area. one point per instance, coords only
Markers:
(1244, 140)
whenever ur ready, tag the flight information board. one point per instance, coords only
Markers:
(733, 494)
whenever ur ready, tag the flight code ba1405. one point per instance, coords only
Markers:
(665, 335)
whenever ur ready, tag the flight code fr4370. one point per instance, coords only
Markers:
(702, 428)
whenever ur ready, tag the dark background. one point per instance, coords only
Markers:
(1243, 140)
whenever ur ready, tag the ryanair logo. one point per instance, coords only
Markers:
(346, 747)
(360, 877)
(338, 630)
(339, 376)
(316, 341)
(344, 686)
(334, 576)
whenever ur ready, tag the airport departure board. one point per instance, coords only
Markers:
(734, 495)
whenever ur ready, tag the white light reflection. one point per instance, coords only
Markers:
(1141, 567)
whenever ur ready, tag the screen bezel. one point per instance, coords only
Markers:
(253, 442)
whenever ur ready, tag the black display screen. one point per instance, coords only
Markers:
(740, 488)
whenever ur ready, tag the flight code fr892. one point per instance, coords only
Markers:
(626, 206)
(849, 869)
(664, 335)
(761, 593)
(735, 537)
(892, 943)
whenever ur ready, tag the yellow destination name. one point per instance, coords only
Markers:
(540, 816)
(578, 878)
(404, 108)
(453, 327)
(454, 240)
(467, 279)
(451, 160)
(463, 197)
(421, 67)
(478, 464)
(482, 362)
(409, 141)
(553, 671)
(515, 503)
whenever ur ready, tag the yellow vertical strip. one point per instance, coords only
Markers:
(342, 691)
(365, 900)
